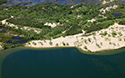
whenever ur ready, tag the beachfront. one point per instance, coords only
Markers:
(105, 39)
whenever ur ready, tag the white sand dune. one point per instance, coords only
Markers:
(92, 20)
(108, 8)
(106, 2)
(37, 30)
(79, 41)
(52, 24)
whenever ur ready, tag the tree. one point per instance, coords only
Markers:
(104, 34)
(85, 40)
(33, 43)
(101, 43)
(85, 47)
(29, 43)
(41, 43)
(63, 43)
(97, 45)
(120, 39)
(3, 1)
(4, 47)
(57, 44)
(89, 39)
(109, 35)
(110, 43)
(12, 46)
(119, 33)
(114, 33)
(94, 38)
(122, 22)
(50, 43)
(67, 44)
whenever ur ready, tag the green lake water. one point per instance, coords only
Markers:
(61, 63)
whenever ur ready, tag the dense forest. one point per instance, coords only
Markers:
(3, 1)
(72, 19)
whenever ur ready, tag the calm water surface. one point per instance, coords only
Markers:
(117, 15)
(63, 2)
(61, 63)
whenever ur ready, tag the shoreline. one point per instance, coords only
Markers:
(103, 52)
(75, 47)
(92, 43)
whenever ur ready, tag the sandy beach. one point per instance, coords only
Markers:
(91, 43)
(1, 46)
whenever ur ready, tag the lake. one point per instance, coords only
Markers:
(61, 63)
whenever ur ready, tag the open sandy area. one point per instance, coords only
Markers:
(91, 43)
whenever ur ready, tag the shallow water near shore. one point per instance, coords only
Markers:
(60, 63)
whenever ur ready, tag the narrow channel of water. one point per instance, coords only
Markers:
(62, 2)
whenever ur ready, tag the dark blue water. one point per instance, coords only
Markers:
(20, 40)
(117, 15)
(62, 63)
(3, 30)
(62, 2)
(17, 38)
